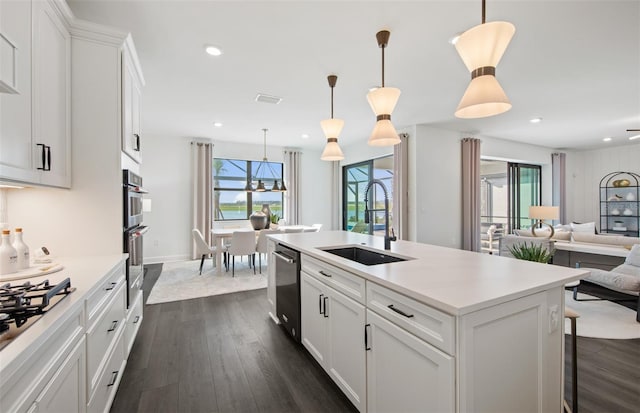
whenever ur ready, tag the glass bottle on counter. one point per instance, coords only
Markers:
(8, 255)
(22, 249)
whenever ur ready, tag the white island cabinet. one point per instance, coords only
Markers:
(71, 359)
(444, 330)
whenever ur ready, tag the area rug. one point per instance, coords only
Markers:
(602, 319)
(181, 281)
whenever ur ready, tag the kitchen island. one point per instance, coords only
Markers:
(443, 330)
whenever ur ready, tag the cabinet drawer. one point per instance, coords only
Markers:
(349, 284)
(102, 335)
(19, 391)
(134, 319)
(109, 379)
(103, 293)
(431, 325)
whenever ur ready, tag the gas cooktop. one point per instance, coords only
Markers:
(21, 305)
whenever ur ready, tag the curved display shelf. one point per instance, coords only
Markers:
(620, 204)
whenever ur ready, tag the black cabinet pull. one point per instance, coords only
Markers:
(44, 157)
(114, 377)
(391, 307)
(137, 147)
(135, 320)
(324, 301)
(366, 337)
(320, 303)
(325, 274)
(111, 287)
(113, 326)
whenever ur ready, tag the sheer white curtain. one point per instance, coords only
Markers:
(559, 183)
(336, 196)
(471, 194)
(401, 187)
(201, 156)
(292, 164)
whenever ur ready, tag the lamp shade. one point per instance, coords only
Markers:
(484, 44)
(384, 134)
(484, 97)
(481, 49)
(332, 151)
(544, 212)
(383, 100)
(332, 127)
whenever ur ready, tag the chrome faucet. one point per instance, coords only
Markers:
(387, 237)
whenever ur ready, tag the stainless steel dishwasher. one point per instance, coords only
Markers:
(287, 263)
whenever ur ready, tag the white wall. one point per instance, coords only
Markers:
(585, 169)
(166, 171)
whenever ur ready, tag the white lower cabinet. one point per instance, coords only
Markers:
(66, 390)
(134, 320)
(332, 331)
(405, 373)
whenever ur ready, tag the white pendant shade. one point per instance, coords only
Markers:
(383, 100)
(484, 97)
(384, 134)
(331, 127)
(482, 47)
(484, 44)
(332, 152)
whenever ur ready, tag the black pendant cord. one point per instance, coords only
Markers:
(483, 12)
(331, 102)
(383, 66)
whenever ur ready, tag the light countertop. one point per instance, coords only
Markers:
(452, 280)
(85, 273)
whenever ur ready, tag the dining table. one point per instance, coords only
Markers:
(219, 235)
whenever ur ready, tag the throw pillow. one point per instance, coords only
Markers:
(589, 227)
(634, 256)
(562, 235)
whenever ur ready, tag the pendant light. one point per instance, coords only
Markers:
(481, 48)
(332, 128)
(264, 165)
(383, 100)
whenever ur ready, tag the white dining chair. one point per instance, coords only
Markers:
(242, 243)
(261, 246)
(204, 249)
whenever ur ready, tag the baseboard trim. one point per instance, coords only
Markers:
(166, 258)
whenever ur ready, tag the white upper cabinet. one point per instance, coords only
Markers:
(131, 101)
(35, 138)
(15, 109)
(51, 96)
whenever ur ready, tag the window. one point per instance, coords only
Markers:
(355, 179)
(231, 201)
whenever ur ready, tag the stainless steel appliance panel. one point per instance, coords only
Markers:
(287, 262)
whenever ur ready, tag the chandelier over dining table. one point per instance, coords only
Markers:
(265, 172)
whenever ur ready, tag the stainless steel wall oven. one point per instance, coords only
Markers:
(133, 232)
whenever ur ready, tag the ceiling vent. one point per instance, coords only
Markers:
(262, 98)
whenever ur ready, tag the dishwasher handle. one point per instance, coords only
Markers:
(283, 257)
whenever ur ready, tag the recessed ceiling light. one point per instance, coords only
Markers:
(305, 136)
(535, 120)
(262, 98)
(632, 138)
(606, 139)
(212, 50)
(217, 124)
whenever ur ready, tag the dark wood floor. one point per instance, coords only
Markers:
(223, 354)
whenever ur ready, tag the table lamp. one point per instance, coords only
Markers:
(540, 213)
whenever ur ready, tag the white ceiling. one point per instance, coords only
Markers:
(576, 64)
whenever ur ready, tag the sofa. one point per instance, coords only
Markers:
(625, 278)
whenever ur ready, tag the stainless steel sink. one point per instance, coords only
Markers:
(364, 256)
